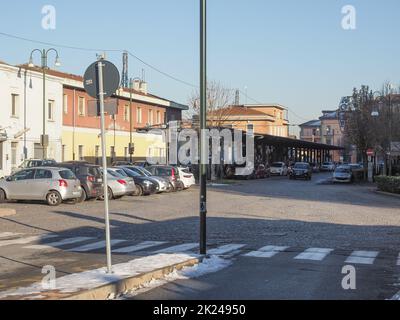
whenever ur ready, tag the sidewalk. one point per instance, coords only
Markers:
(94, 283)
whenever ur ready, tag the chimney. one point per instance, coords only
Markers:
(143, 87)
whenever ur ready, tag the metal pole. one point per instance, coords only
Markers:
(130, 120)
(100, 66)
(25, 90)
(44, 142)
(203, 125)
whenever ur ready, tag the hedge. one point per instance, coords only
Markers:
(388, 184)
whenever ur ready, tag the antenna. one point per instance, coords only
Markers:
(125, 71)
(143, 75)
(237, 98)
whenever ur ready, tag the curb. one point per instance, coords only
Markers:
(125, 285)
(7, 212)
(386, 193)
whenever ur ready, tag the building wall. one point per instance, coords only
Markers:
(13, 147)
(310, 134)
(334, 137)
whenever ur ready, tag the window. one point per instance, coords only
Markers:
(158, 117)
(14, 105)
(151, 117)
(43, 174)
(67, 175)
(126, 113)
(81, 106)
(50, 110)
(139, 115)
(112, 152)
(24, 175)
(65, 104)
(80, 154)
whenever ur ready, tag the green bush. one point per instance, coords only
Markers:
(388, 184)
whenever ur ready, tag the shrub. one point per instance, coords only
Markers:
(388, 184)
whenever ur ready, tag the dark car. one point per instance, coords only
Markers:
(170, 172)
(301, 170)
(163, 184)
(121, 163)
(90, 177)
(144, 185)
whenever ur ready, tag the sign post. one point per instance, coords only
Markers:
(101, 81)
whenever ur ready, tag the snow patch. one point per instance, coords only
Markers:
(212, 264)
(95, 278)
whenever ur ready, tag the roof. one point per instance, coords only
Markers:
(239, 111)
(312, 123)
(329, 115)
(267, 105)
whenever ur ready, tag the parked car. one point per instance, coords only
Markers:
(279, 168)
(53, 185)
(35, 163)
(186, 177)
(121, 163)
(144, 185)
(170, 172)
(315, 167)
(343, 174)
(328, 166)
(163, 183)
(301, 170)
(90, 177)
(119, 185)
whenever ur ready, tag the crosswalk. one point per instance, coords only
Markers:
(83, 244)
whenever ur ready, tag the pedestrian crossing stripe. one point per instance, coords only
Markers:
(182, 248)
(362, 257)
(139, 247)
(266, 252)
(4, 243)
(226, 249)
(314, 254)
(60, 243)
(95, 246)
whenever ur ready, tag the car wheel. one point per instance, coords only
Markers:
(3, 197)
(53, 199)
(139, 191)
(83, 196)
(110, 194)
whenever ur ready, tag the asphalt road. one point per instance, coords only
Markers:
(296, 215)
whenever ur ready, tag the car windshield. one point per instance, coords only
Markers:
(121, 172)
(114, 174)
(67, 175)
(277, 165)
(342, 170)
(301, 166)
(132, 173)
(137, 171)
(146, 172)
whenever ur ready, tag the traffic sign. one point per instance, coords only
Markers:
(370, 152)
(111, 79)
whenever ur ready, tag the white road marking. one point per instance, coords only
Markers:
(25, 240)
(139, 247)
(362, 257)
(314, 254)
(226, 249)
(94, 246)
(266, 252)
(179, 249)
(8, 234)
(59, 243)
(398, 260)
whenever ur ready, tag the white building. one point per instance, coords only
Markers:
(21, 116)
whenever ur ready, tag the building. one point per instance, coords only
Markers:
(22, 116)
(268, 119)
(311, 131)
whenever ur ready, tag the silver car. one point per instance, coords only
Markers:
(343, 175)
(53, 185)
(119, 186)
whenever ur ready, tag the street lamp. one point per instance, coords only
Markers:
(44, 140)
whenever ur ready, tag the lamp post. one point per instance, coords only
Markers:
(131, 146)
(44, 140)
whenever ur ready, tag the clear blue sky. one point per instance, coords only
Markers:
(288, 51)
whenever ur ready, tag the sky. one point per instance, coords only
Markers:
(290, 52)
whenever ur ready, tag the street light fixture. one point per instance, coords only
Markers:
(44, 140)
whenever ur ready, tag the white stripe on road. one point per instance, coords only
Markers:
(8, 234)
(59, 243)
(226, 249)
(362, 257)
(179, 249)
(398, 260)
(266, 252)
(314, 254)
(139, 247)
(95, 246)
(25, 240)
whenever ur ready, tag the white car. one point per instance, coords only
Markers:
(279, 168)
(186, 177)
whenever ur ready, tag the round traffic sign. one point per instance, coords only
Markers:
(111, 79)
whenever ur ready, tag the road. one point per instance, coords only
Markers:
(272, 221)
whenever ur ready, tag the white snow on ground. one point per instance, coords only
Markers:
(209, 265)
(96, 278)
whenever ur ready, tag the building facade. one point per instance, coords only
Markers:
(311, 131)
(22, 116)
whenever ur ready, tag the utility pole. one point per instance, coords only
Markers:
(203, 126)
